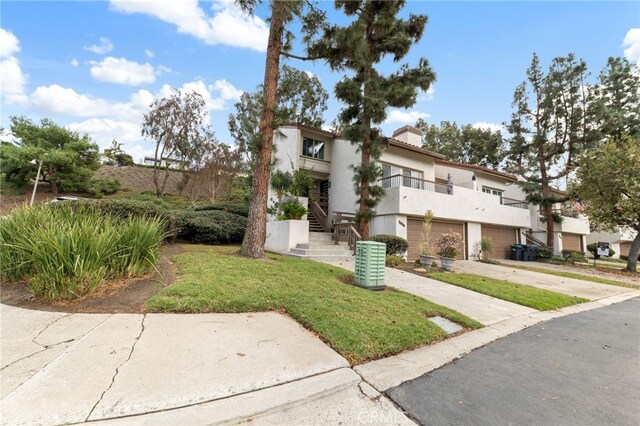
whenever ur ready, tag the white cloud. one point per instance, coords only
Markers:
(405, 117)
(149, 53)
(105, 46)
(9, 44)
(631, 44)
(228, 25)
(13, 80)
(428, 95)
(60, 100)
(228, 91)
(74, 62)
(489, 126)
(123, 71)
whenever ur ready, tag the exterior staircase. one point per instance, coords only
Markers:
(322, 248)
(314, 223)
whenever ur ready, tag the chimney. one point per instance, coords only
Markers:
(410, 135)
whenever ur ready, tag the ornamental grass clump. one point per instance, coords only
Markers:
(64, 251)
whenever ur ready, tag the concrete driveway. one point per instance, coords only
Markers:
(164, 368)
(570, 286)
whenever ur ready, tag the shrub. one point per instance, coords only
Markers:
(486, 247)
(544, 252)
(209, 226)
(66, 250)
(448, 244)
(593, 249)
(393, 261)
(291, 208)
(100, 187)
(574, 256)
(395, 245)
(239, 209)
(124, 209)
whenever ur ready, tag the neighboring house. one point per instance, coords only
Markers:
(620, 241)
(464, 198)
(171, 163)
(571, 234)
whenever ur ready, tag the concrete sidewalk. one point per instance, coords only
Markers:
(69, 368)
(570, 286)
(482, 308)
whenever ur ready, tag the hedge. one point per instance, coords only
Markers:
(395, 245)
(239, 209)
(209, 226)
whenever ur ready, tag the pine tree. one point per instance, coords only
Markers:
(374, 34)
(279, 44)
(550, 127)
(616, 105)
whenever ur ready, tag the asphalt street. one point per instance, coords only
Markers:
(582, 369)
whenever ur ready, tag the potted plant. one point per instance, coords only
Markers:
(448, 249)
(292, 209)
(427, 257)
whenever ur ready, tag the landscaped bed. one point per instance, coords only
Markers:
(577, 276)
(533, 297)
(359, 324)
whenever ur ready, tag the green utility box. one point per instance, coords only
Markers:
(369, 270)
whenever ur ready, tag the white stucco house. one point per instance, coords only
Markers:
(620, 240)
(571, 234)
(471, 200)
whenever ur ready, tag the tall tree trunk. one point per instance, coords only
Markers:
(634, 251)
(54, 186)
(255, 235)
(548, 206)
(365, 158)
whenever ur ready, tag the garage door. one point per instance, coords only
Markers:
(571, 241)
(414, 236)
(502, 239)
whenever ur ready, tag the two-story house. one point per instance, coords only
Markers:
(620, 240)
(472, 200)
(570, 234)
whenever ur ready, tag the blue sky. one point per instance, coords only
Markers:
(95, 66)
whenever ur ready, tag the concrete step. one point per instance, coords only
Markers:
(320, 258)
(320, 252)
(323, 245)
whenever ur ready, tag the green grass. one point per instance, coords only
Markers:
(577, 276)
(533, 297)
(359, 324)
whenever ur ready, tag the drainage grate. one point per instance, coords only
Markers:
(448, 326)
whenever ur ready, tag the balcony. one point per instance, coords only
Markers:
(412, 197)
(416, 183)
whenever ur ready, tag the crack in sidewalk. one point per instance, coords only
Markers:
(113, 379)
(34, 340)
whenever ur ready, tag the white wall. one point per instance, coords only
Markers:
(283, 235)
(342, 197)
(464, 205)
(389, 224)
(474, 235)
(410, 160)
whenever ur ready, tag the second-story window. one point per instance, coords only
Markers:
(492, 191)
(313, 148)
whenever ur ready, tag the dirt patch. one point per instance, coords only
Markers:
(118, 296)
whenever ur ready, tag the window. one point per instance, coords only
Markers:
(412, 178)
(313, 148)
(492, 191)
(386, 172)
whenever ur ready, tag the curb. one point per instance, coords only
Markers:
(386, 373)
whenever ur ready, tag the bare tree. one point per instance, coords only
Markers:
(177, 125)
(213, 180)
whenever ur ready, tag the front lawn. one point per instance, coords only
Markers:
(577, 276)
(360, 324)
(533, 297)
